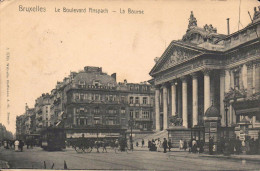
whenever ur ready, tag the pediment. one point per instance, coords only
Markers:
(173, 56)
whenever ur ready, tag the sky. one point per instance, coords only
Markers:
(43, 47)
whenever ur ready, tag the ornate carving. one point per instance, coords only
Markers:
(206, 71)
(192, 20)
(194, 75)
(176, 120)
(235, 94)
(177, 57)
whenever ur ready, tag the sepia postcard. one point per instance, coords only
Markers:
(130, 85)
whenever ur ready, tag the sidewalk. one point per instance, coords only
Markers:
(242, 157)
(176, 152)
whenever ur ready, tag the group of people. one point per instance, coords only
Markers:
(193, 146)
(156, 145)
(17, 145)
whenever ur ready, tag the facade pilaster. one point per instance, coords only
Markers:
(206, 89)
(165, 107)
(257, 77)
(184, 102)
(157, 109)
(244, 76)
(194, 99)
(227, 81)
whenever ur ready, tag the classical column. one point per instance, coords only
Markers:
(254, 78)
(165, 107)
(194, 99)
(221, 97)
(157, 109)
(173, 89)
(206, 89)
(257, 77)
(184, 102)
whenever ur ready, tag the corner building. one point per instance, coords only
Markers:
(205, 69)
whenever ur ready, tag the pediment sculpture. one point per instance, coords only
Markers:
(176, 57)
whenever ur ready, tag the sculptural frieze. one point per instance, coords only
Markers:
(176, 57)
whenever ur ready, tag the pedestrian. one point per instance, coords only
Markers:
(194, 146)
(136, 143)
(159, 144)
(238, 146)
(169, 145)
(21, 144)
(142, 143)
(16, 145)
(165, 145)
(211, 143)
(185, 145)
(104, 146)
(149, 145)
(116, 144)
(181, 144)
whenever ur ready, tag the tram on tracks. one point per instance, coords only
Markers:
(53, 139)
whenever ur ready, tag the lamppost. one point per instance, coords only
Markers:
(130, 123)
(226, 105)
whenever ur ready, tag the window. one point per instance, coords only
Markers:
(236, 80)
(122, 99)
(144, 88)
(131, 87)
(111, 98)
(76, 96)
(96, 83)
(144, 100)
(81, 121)
(81, 96)
(136, 114)
(131, 100)
(96, 110)
(131, 113)
(97, 97)
(146, 114)
(123, 110)
(137, 100)
(137, 88)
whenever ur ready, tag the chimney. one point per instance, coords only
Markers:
(125, 81)
(228, 26)
(114, 76)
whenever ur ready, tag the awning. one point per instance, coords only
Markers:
(57, 124)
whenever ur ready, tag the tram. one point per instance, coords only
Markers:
(53, 139)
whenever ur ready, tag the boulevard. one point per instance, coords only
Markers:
(140, 159)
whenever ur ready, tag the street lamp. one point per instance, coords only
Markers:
(226, 105)
(130, 123)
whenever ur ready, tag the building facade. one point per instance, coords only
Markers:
(206, 68)
(91, 100)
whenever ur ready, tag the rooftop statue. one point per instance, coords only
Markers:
(256, 13)
(192, 20)
(210, 28)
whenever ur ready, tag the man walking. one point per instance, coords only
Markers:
(164, 145)
(142, 143)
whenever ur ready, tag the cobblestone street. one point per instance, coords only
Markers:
(137, 160)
